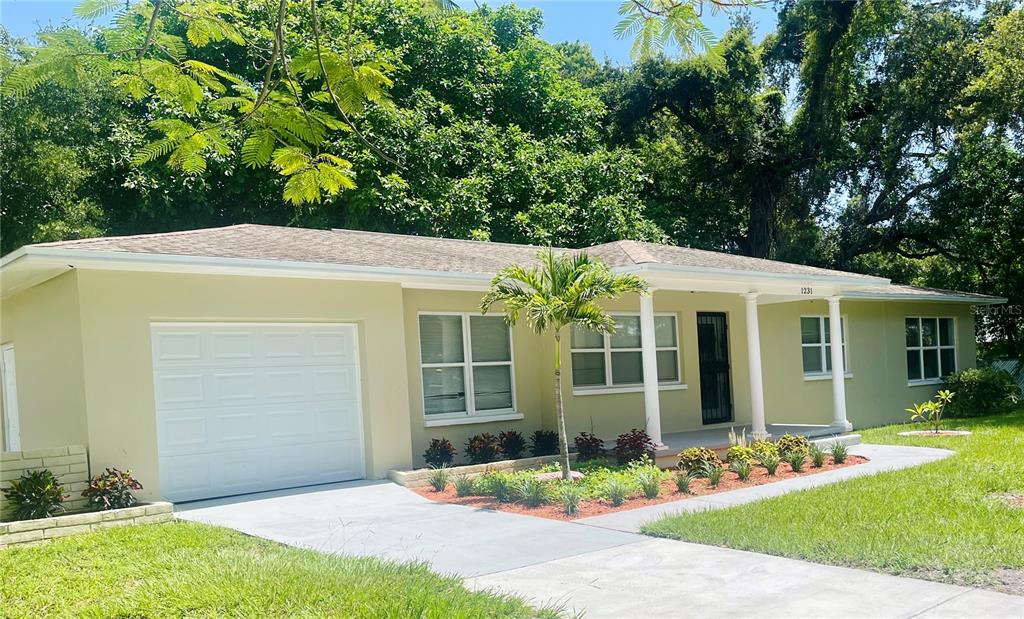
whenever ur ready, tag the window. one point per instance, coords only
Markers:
(816, 343)
(616, 360)
(9, 384)
(466, 362)
(931, 348)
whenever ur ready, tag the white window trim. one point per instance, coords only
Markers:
(10, 415)
(470, 415)
(826, 374)
(911, 382)
(608, 386)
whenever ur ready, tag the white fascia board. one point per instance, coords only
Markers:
(934, 298)
(130, 261)
(754, 276)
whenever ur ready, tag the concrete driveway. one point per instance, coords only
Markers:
(592, 568)
(383, 519)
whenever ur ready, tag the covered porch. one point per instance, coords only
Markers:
(756, 290)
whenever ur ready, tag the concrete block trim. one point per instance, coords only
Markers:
(46, 529)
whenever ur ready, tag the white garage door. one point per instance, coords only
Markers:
(250, 407)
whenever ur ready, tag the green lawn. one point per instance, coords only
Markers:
(936, 521)
(184, 569)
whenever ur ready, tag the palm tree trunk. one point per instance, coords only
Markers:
(563, 439)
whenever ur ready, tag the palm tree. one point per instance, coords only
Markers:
(564, 290)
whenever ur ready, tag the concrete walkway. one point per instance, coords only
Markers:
(596, 565)
(881, 458)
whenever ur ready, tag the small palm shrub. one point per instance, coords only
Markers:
(532, 492)
(742, 469)
(544, 443)
(762, 448)
(589, 447)
(697, 459)
(839, 452)
(817, 456)
(616, 490)
(787, 443)
(739, 453)
(683, 481)
(483, 448)
(440, 452)
(570, 494)
(36, 494)
(647, 476)
(632, 446)
(796, 460)
(512, 444)
(714, 474)
(438, 478)
(464, 485)
(770, 462)
(112, 489)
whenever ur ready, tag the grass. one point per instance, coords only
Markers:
(185, 569)
(936, 521)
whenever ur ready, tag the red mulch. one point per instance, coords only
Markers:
(699, 487)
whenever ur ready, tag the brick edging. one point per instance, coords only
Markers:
(45, 529)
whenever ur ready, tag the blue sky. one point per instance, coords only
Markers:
(590, 21)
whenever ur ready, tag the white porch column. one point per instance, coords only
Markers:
(648, 352)
(835, 319)
(754, 361)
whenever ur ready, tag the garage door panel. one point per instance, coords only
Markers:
(259, 407)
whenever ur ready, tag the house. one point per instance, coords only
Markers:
(230, 360)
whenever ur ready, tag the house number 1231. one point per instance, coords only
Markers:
(806, 290)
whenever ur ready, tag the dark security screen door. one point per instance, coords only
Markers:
(713, 350)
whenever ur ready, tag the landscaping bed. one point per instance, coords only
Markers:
(593, 488)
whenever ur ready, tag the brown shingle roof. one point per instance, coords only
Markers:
(376, 249)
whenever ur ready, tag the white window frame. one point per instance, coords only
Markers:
(470, 415)
(608, 386)
(825, 359)
(937, 347)
(10, 416)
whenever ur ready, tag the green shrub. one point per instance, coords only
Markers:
(112, 489)
(741, 468)
(683, 481)
(544, 443)
(795, 458)
(647, 476)
(714, 474)
(616, 490)
(817, 456)
(739, 453)
(512, 444)
(483, 448)
(981, 391)
(570, 495)
(532, 492)
(762, 448)
(839, 452)
(440, 452)
(770, 462)
(697, 459)
(36, 494)
(438, 478)
(787, 443)
(464, 485)
(498, 484)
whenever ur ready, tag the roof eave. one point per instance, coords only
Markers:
(938, 298)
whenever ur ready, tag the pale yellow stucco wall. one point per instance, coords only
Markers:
(877, 392)
(118, 307)
(43, 324)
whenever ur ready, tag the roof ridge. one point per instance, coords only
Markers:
(444, 238)
(97, 239)
(636, 252)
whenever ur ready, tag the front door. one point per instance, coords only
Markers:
(713, 350)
